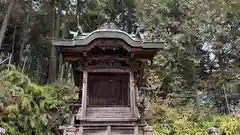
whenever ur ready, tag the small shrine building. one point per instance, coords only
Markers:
(108, 66)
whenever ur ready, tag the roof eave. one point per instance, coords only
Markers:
(79, 43)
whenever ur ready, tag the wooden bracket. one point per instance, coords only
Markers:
(84, 54)
(132, 55)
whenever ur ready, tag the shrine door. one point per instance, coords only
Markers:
(108, 89)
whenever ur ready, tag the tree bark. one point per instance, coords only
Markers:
(61, 66)
(5, 21)
(193, 83)
(53, 53)
(25, 33)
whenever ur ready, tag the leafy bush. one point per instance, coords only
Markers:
(180, 121)
(27, 108)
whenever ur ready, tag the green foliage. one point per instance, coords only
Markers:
(183, 67)
(27, 108)
(179, 121)
(178, 71)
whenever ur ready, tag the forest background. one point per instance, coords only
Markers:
(195, 77)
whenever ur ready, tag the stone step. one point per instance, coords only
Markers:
(114, 125)
(107, 130)
(123, 119)
(112, 132)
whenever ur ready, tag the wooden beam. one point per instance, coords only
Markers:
(84, 94)
(132, 95)
(108, 70)
(104, 69)
(121, 58)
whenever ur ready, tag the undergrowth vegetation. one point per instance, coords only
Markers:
(29, 109)
(184, 121)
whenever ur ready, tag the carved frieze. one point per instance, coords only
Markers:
(110, 44)
(106, 62)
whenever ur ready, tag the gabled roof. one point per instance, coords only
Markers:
(86, 38)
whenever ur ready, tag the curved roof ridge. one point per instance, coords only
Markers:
(104, 33)
(86, 35)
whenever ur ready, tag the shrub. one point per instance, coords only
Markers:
(180, 121)
(27, 108)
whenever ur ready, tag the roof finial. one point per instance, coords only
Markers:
(109, 21)
(139, 32)
(79, 29)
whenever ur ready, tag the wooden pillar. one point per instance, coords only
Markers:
(132, 94)
(109, 132)
(65, 132)
(84, 94)
(136, 130)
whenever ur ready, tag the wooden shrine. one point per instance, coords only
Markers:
(108, 66)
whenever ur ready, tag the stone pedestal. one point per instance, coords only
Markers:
(148, 130)
(2, 131)
(213, 131)
(70, 130)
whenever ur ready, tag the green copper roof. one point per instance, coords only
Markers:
(86, 38)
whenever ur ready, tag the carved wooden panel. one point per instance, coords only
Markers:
(113, 44)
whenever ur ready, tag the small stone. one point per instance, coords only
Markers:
(2, 131)
(213, 131)
(148, 130)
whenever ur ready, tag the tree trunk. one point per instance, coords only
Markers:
(53, 54)
(5, 21)
(193, 66)
(24, 64)
(13, 54)
(223, 87)
(68, 74)
(61, 66)
(226, 99)
(24, 35)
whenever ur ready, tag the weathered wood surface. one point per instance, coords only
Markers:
(109, 114)
(108, 89)
(80, 130)
(132, 95)
(84, 95)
